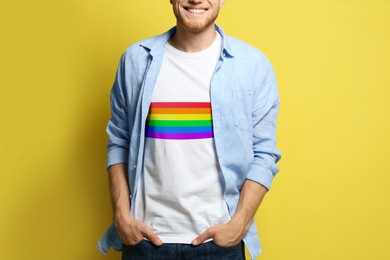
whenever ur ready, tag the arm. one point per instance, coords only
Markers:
(262, 169)
(130, 230)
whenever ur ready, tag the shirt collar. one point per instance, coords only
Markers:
(156, 44)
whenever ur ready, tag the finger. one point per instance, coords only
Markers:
(202, 237)
(151, 236)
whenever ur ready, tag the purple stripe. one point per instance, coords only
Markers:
(179, 136)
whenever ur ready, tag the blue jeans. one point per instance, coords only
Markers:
(206, 251)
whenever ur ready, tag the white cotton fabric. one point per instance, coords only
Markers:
(180, 193)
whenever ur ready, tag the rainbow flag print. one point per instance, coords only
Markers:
(179, 121)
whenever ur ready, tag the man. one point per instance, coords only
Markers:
(192, 142)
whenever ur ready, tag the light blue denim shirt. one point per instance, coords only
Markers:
(245, 103)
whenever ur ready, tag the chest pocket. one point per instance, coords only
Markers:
(243, 99)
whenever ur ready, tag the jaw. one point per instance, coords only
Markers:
(195, 17)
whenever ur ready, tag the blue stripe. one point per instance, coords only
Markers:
(178, 130)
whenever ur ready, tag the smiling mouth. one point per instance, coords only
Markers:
(196, 10)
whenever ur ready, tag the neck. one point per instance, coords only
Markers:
(190, 41)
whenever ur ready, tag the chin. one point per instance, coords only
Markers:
(197, 26)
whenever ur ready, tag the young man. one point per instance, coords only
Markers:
(192, 142)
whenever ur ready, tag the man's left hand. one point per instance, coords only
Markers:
(227, 234)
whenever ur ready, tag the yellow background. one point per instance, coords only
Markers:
(58, 61)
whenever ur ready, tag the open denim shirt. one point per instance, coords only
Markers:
(244, 101)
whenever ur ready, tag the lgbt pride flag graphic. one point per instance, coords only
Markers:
(179, 120)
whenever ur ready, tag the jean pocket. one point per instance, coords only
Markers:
(227, 247)
(135, 245)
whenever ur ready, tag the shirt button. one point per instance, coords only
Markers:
(134, 166)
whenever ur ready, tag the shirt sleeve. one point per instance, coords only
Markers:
(265, 110)
(118, 127)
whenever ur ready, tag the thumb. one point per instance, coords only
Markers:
(202, 237)
(151, 236)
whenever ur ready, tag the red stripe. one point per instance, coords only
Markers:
(180, 105)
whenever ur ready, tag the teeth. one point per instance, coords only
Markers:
(196, 11)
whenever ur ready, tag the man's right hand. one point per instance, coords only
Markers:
(132, 231)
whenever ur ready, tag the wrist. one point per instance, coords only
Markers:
(241, 223)
(121, 215)
(238, 224)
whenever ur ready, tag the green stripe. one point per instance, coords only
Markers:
(179, 123)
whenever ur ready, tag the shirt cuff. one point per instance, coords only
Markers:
(117, 155)
(262, 175)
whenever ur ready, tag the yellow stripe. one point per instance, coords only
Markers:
(179, 117)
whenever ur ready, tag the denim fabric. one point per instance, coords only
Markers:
(145, 250)
(244, 101)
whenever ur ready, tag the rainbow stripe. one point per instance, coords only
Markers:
(179, 120)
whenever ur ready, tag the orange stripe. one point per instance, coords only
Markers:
(180, 111)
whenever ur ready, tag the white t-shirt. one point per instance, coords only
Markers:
(180, 193)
